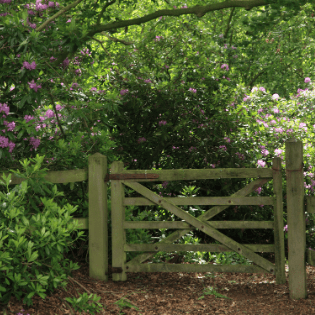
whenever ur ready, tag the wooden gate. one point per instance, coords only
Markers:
(132, 179)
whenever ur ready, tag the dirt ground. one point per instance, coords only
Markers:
(177, 293)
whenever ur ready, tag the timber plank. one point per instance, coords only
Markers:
(197, 174)
(296, 219)
(118, 217)
(185, 225)
(56, 177)
(186, 201)
(193, 268)
(278, 222)
(157, 247)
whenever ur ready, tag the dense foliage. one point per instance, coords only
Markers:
(156, 84)
(33, 243)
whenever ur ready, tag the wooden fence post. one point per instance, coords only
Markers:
(118, 218)
(278, 219)
(296, 218)
(98, 232)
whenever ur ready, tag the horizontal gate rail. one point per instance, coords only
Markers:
(158, 247)
(198, 174)
(185, 225)
(220, 201)
(194, 268)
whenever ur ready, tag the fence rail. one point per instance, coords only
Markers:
(200, 174)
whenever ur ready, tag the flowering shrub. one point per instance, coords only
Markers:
(268, 121)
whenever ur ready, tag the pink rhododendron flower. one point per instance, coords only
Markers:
(28, 118)
(142, 139)
(264, 152)
(10, 126)
(278, 152)
(34, 142)
(261, 163)
(246, 98)
(65, 63)
(162, 122)
(225, 66)
(4, 108)
(50, 114)
(123, 92)
(29, 66)
(279, 130)
(4, 142)
(34, 86)
(11, 146)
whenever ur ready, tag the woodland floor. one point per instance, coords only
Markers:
(177, 293)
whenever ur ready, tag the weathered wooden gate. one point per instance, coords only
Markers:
(132, 179)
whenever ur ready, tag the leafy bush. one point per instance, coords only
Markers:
(81, 303)
(33, 241)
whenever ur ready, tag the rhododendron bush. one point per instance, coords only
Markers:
(156, 89)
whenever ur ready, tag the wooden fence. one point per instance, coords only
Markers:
(97, 220)
(96, 223)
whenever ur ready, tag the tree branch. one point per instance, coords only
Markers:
(103, 10)
(63, 10)
(198, 10)
(56, 113)
(255, 78)
(114, 39)
(229, 23)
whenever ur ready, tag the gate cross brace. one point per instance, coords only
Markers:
(203, 226)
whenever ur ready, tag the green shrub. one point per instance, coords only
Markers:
(33, 241)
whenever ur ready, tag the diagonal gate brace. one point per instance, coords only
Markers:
(213, 211)
(203, 226)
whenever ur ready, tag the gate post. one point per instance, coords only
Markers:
(118, 219)
(296, 220)
(278, 221)
(98, 233)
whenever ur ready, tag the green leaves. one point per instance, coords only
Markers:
(86, 303)
(212, 291)
(29, 241)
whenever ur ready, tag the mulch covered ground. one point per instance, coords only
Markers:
(178, 293)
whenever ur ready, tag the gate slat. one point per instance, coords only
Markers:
(186, 201)
(185, 225)
(203, 226)
(194, 268)
(158, 247)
